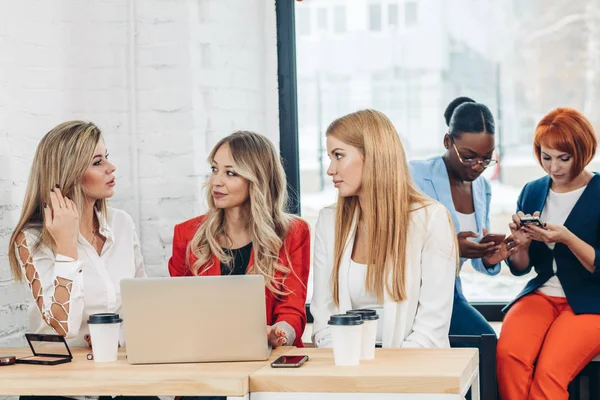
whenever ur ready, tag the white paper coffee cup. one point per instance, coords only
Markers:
(104, 332)
(369, 332)
(346, 332)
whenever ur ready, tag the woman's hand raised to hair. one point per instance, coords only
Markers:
(61, 219)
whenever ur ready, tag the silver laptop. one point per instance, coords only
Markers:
(195, 319)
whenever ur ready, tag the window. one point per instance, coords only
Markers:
(322, 19)
(393, 15)
(302, 21)
(375, 17)
(490, 53)
(410, 13)
(339, 19)
(398, 93)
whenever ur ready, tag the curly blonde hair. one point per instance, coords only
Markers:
(256, 160)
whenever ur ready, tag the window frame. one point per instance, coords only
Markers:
(288, 126)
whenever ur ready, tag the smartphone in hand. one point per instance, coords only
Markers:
(535, 221)
(496, 238)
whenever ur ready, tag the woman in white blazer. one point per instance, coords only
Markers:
(384, 245)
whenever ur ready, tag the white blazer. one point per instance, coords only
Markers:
(423, 318)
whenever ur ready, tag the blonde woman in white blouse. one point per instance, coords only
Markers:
(384, 245)
(68, 245)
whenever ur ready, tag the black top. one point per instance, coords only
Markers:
(240, 258)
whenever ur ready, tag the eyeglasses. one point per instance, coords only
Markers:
(472, 163)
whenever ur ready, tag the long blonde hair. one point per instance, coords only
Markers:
(61, 158)
(390, 196)
(256, 161)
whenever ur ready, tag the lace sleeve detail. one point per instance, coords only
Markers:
(53, 294)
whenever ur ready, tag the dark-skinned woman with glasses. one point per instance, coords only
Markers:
(454, 179)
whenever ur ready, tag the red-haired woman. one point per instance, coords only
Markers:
(552, 329)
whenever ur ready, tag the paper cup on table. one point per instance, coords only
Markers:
(346, 332)
(104, 332)
(369, 332)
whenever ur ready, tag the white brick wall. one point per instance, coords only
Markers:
(164, 79)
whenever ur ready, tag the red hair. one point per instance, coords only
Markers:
(566, 129)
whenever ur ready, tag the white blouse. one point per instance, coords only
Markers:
(95, 278)
(556, 211)
(467, 222)
(360, 298)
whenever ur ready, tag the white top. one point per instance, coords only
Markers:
(556, 211)
(360, 298)
(467, 222)
(95, 278)
(423, 318)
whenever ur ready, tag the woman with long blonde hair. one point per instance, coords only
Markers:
(247, 231)
(68, 245)
(384, 245)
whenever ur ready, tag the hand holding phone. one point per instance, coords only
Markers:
(516, 229)
(495, 238)
(289, 362)
(531, 220)
(468, 248)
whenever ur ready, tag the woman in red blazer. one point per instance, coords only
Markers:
(247, 231)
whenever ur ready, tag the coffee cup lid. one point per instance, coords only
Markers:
(345, 319)
(104, 318)
(365, 314)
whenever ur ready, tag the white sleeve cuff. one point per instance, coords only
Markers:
(324, 341)
(290, 333)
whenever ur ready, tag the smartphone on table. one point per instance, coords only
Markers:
(289, 361)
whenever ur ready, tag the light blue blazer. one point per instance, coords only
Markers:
(432, 178)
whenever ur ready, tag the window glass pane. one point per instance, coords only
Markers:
(375, 17)
(393, 15)
(339, 19)
(302, 21)
(410, 13)
(322, 19)
(520, 58)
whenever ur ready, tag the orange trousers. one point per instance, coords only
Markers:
(543, 345)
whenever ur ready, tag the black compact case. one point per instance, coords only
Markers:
(47, 350)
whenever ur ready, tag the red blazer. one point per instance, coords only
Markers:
(290, 308)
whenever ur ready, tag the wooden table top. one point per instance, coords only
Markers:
(392, 371)
(83, 377)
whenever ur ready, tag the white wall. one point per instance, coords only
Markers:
(164, 79)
